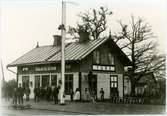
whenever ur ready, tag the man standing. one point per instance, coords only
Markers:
(15, 96)
(27, 91)
(71, 94)
(102, 94)
(36, 93)
(48, 91)
(20, 94)
(55, 93)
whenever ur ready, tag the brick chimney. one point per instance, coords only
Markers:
(83, 37)
(57, 40)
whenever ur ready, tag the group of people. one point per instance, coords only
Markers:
(48, 93)
(18, 94)
(6, 92)
(51, 94)
(90, 95)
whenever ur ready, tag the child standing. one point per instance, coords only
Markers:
(102, 94)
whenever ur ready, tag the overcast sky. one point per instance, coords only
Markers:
(24, 22)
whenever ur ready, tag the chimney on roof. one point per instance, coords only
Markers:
(57, 40)
(37, 45)
(83, 36)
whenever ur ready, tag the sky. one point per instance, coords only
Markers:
(23, 23)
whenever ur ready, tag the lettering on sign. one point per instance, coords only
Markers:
(103, 68)
(46, 68)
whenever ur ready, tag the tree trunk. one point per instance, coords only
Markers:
(133, 81)
(133, 89)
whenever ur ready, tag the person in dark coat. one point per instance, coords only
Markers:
(49, 92)
(36, 94)
(102, 94)
(20, 95)
(55, 93)
(52, 96)
(71, 94)
(7, 92)
(27, 92)
(15, 96)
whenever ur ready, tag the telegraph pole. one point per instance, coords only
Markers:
(62, 27)
(63, 34)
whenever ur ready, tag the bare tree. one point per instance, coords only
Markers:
(138, 42)
(94, 23)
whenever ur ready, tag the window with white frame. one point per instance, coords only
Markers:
(113, 81)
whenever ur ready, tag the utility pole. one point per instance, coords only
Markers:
(62, 27)
(63, 34)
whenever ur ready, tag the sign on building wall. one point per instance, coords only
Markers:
(45, 68)
(103, 68)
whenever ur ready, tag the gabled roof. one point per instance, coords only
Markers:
(73, 51)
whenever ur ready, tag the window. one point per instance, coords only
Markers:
(25, 69)
(104, 57)
(113, 81)
(45, 80)
(111, 59)
(37, 81)
(68, 83)
(96, 57)
(25, 81)
(53, 80)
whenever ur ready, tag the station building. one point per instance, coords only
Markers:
(92, 64)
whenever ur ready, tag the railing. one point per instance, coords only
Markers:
(128, 100)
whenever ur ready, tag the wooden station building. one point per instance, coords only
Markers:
(100, 58)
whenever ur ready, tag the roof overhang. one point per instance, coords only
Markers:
(38, 63)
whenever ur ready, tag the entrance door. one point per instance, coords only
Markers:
(45, 80)
(53, 80)
(25, 81)
(114, 86)
(93, 84)
(37, 81)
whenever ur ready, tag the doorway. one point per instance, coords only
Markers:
(93, 84)
(114, 86)
(25, 81)
(45, 80)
